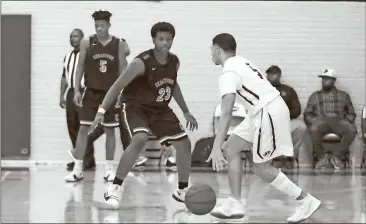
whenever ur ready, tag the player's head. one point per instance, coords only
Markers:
(102, 22)
(274, 75)
(223, 46)
(75, 37)
(163, 34)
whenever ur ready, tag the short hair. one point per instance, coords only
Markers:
(274, 69)
(225, 41)
(79, 30)
(162, 27)
(102, 15)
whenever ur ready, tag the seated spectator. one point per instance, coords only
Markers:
(298, 127)
(330, 110)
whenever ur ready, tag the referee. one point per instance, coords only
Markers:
(66, 100)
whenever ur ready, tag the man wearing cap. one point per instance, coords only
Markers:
(289, 95)
(330, 110)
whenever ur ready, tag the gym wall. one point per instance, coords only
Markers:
(303, 38)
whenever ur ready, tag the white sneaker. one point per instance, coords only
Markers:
(304, 209)
(180, 194)
(111, 196)
(110, 173)
(74, 176)
(231, 209)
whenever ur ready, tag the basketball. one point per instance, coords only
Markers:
(200, 199)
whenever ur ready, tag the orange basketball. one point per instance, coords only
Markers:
(200, 199)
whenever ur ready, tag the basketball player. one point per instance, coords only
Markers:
(266, 131)
(149, 83)
(103, 57)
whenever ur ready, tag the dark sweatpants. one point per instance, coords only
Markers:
(341, 127)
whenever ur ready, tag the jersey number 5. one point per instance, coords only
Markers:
(164, 94)
(255, 70)
(103, 66)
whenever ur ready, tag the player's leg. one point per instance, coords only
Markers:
(109, 124)
(280, 137)
(137, 124)
(86, 115)
(237, 142)
(72, 121)
(167, 128)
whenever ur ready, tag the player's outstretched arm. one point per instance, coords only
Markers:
(227, 105)
(134, 69)
(84, 44)
(227, 85)
(178, 96)
(122, 56)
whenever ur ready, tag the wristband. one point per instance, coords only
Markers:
(101, 110)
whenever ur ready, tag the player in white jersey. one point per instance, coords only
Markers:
(265, 132)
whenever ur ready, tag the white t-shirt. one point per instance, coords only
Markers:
(240, 76)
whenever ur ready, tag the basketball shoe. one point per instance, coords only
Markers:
(304, 209)
(112, 195)
(110, 172)
(231, 209)
(180, 194)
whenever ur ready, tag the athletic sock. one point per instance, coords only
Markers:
(117, 181)
(285, 185)
(182, 185)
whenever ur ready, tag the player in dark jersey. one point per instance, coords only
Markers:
(149, 83)
(102, 58)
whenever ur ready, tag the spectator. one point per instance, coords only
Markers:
(330, 110)
(67, 96)
(298, 128)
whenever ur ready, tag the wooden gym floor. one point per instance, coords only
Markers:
(41, 195)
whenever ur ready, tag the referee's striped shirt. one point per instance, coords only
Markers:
(69, 69)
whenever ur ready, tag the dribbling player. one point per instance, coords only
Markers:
(149, 82)
(265, 132)
(103, 59)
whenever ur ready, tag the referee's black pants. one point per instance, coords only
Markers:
(73, 124)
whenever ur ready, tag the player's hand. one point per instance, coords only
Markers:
(62, 102)
(99, 118)
(191, 121)
(77, 99)
(119, 101)
(218, 160)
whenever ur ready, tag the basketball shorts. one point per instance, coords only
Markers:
(269, 130)
(164, 124)
(91, 100)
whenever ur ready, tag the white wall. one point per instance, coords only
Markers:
(303, 38)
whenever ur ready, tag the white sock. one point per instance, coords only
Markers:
(109, 165)
(285, 185)
(78, 168)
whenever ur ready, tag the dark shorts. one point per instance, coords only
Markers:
(91, 101)
(164, 124)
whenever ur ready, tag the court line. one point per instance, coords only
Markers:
(5, 175)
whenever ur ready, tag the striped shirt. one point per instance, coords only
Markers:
(335, 103)
(69, 69)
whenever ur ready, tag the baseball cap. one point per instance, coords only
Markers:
(328, 73)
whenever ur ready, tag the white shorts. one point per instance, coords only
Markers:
(269, 130)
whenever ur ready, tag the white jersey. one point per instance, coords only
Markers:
(242, 77)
